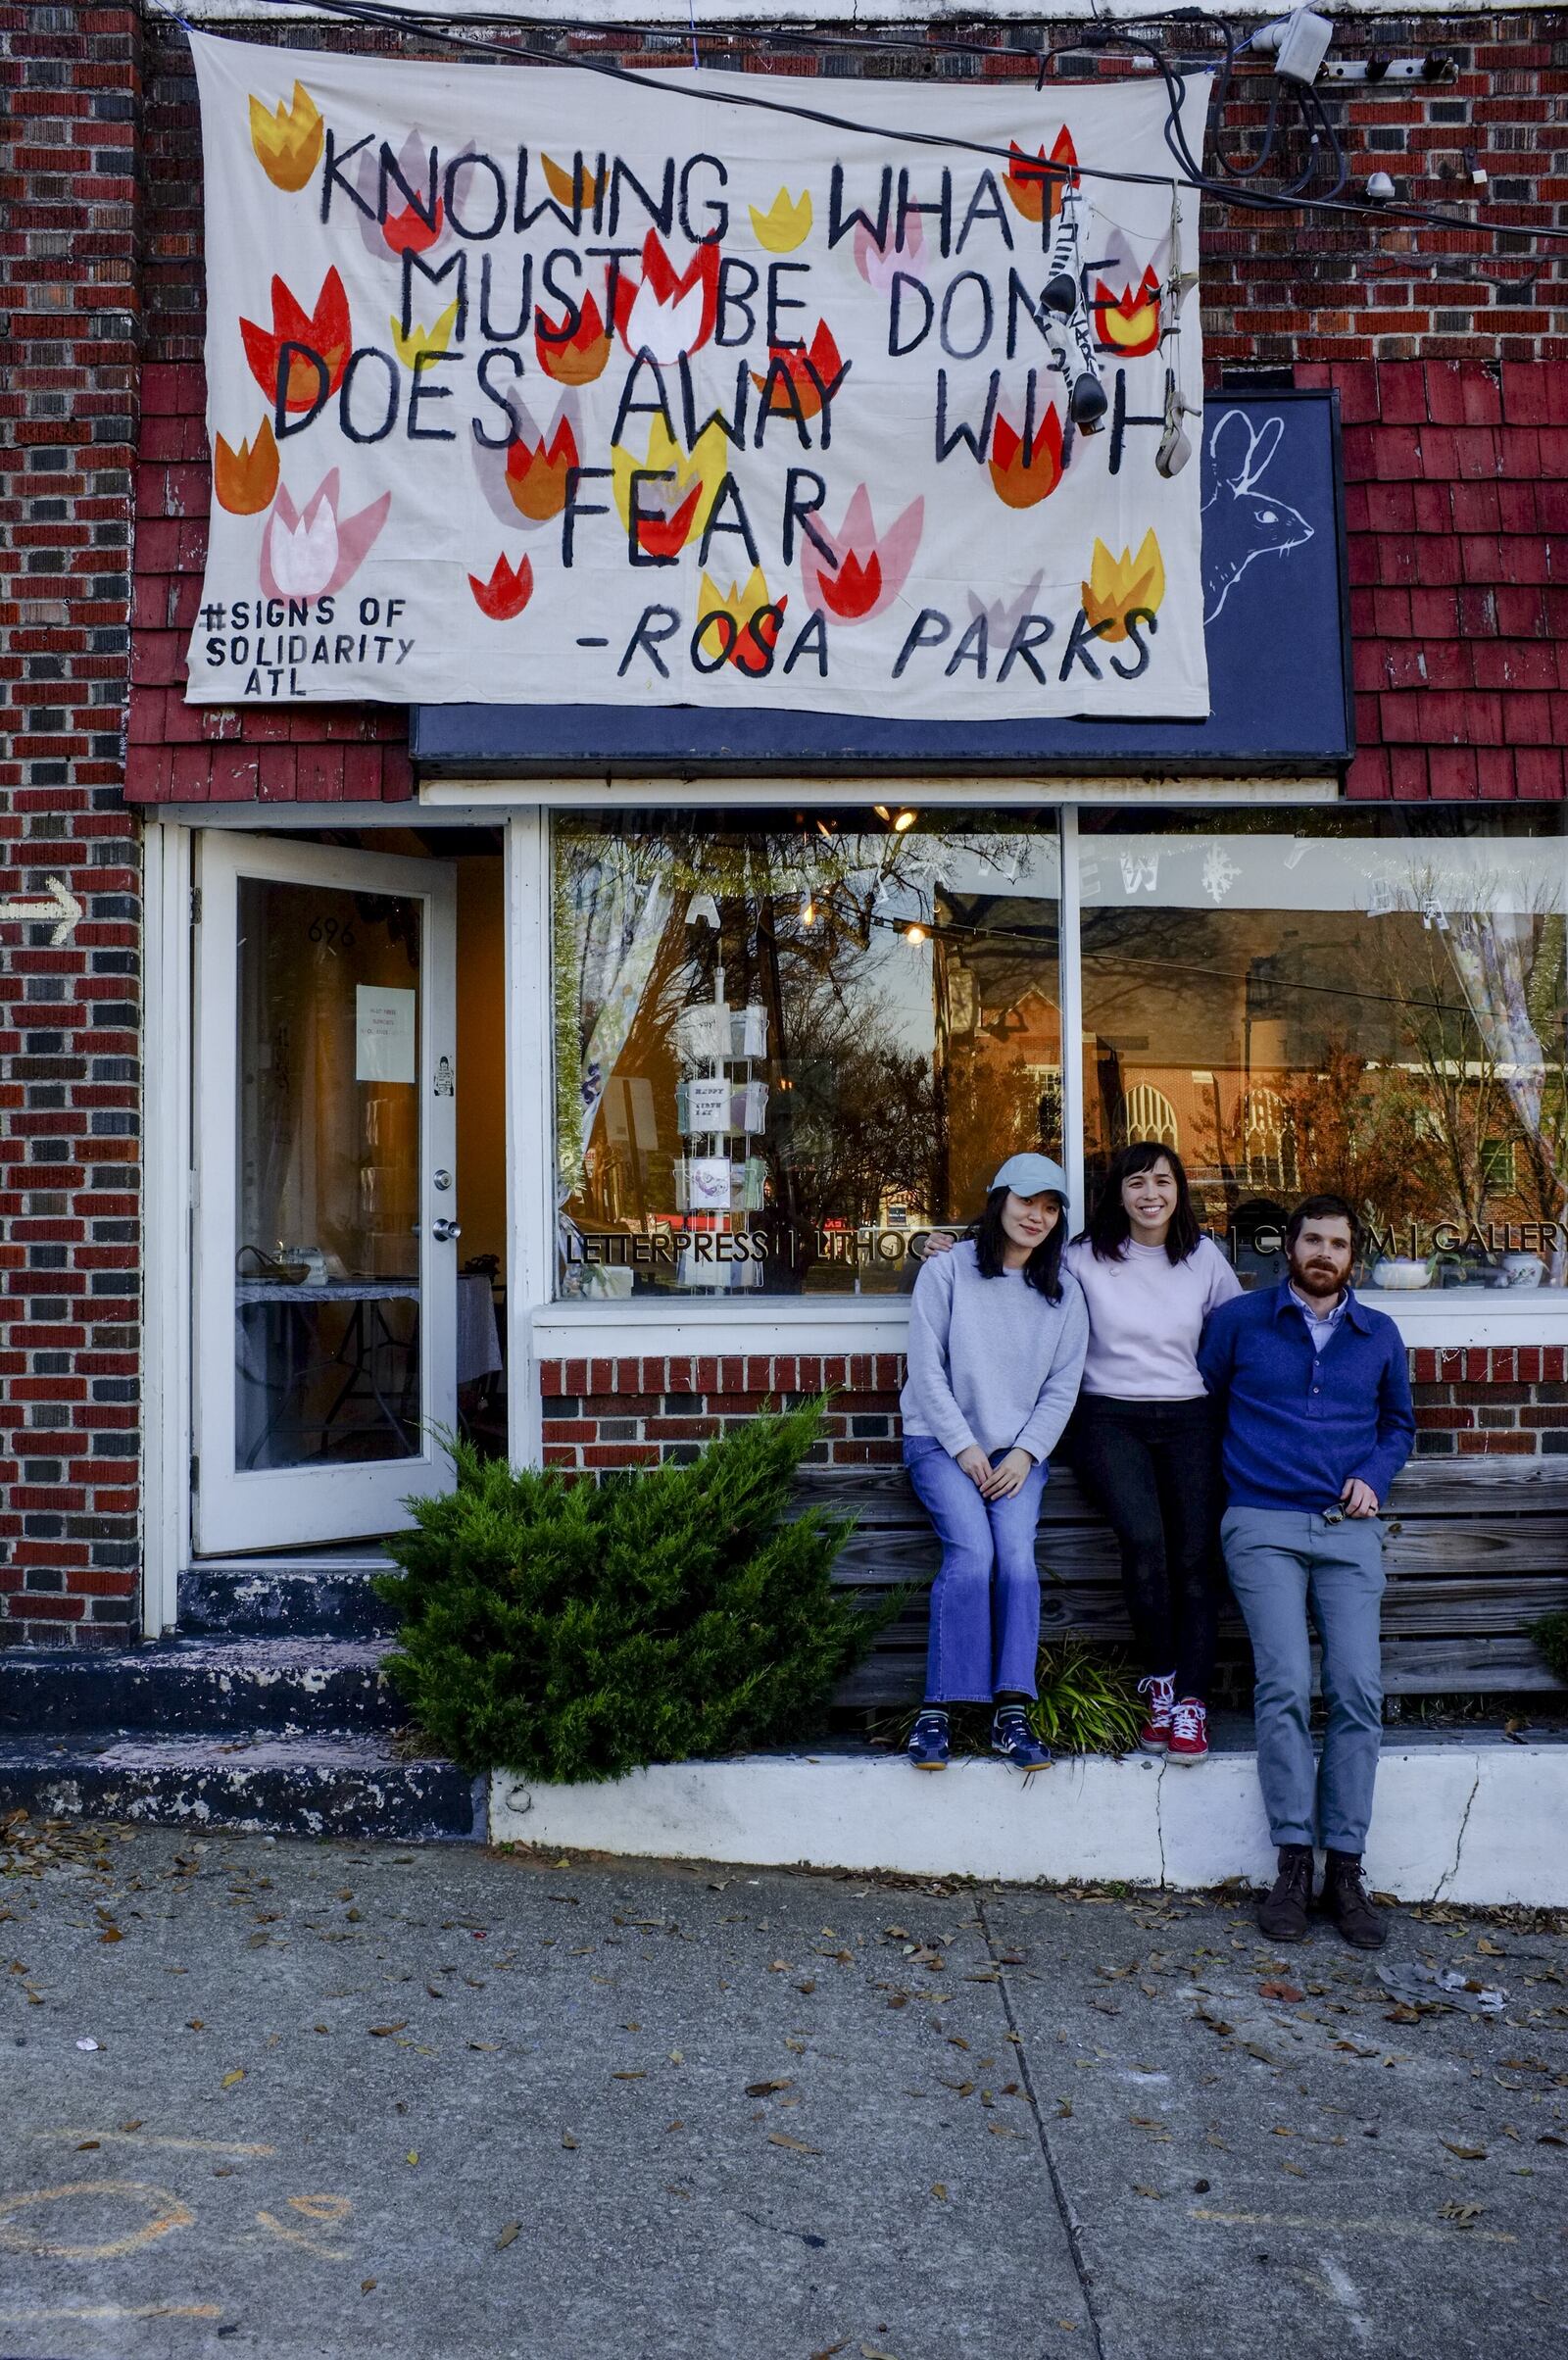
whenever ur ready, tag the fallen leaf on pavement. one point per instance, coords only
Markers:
(629, 2074)
(766, 2089)
(367, 2286)
(1156, 2193)
(382, 2032)
(509, 2236)
(229, 2079)
(796, 2146)
(938, 2190)
(1279, 1990)
(1461, 2213)
(1466, 2154)
(567, 2140)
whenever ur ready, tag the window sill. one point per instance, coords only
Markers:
(1443, 1319)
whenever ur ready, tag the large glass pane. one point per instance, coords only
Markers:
(326, 1265)
(784, 1048)
(1371, 1006)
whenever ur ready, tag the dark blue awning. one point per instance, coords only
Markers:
(1277, 631)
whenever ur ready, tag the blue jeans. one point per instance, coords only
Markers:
(985, 1602)
(1281, 1562)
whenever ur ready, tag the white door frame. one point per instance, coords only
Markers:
(275, 1509)
(166, 1305)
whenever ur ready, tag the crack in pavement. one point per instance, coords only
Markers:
(1070, 2222)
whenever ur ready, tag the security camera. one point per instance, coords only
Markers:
(1380, 189)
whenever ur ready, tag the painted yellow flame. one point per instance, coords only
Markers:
(787, 223)
(421, 340)
(288, 142)
(1117, 586)
(705, 466)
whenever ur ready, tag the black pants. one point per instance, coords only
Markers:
(1151, 1468)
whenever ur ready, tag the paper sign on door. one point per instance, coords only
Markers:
(383, 1034)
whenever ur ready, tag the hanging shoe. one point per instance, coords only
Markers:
(1012, 1738)
(1160, 1690)
(928, 1741)
(1188, 1731)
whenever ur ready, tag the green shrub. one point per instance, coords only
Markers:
(1088, 1703)
(566, 1630)
(1550, 1634)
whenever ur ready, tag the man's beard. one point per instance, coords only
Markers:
(1320, 1278)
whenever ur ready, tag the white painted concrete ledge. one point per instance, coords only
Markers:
(1476, 1824)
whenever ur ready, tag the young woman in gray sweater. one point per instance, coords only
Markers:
(997, 1332)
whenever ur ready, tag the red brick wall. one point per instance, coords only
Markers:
(633, 1413)
(70, 84)
(1456, 439)
(1509, 1399)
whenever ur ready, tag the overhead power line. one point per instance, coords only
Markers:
(1234, 189)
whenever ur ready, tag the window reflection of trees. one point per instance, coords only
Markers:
(876, 1091)
(1410, 1056)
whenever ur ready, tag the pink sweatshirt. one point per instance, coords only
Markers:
(1146, 1315)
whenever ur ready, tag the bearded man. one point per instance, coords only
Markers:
(1315, 1393)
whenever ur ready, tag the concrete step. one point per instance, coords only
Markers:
(330, 1594)
(211, 1685)
(354, 1788)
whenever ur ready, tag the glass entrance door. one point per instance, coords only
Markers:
(325, 1204)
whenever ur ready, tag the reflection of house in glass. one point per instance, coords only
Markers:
(1397, 1037)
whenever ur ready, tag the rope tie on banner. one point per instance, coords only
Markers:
(697, 63)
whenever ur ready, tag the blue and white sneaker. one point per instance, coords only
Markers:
(928, 1741)
(1012, 1738)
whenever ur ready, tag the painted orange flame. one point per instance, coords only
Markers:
(749, 632)
(1023, 474)
(1031, 186)
(325, 331)
(824, 360)
(1129, 323)
(563, 185)
(536, 475)
(506, 592)
(244, 480)
(576, 359)
(288, 143)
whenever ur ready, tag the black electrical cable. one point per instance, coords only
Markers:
(366, 14)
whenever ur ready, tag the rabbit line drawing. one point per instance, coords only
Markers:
(1255, 523)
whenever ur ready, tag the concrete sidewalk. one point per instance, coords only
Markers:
(449, 2104)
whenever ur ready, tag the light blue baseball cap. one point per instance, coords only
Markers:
(1032, 1176)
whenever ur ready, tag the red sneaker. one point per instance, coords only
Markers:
(1188, 1731)
(1160, 1690)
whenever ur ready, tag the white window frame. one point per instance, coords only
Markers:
(1446, 1319)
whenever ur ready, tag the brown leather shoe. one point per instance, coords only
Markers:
(1282, 1916)
(1345, 1902)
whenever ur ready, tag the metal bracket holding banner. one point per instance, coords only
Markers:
(1276, 621)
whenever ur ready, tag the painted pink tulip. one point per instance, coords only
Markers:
(869, 572)
(307, 554)
(877, 261)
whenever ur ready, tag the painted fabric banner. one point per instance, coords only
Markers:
(530, 385)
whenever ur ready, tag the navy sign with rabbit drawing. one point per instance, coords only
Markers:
(1242, 520)
(1275, 625)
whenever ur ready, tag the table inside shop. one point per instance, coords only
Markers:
(366, 1334)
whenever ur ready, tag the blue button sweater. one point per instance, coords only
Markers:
(1296, 1426)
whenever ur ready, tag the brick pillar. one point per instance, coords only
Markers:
(70, 1161)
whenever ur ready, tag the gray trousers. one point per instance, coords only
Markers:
(1282, 1563)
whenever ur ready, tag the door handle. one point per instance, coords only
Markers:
(445, 1232)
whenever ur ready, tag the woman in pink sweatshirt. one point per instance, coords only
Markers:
(1144, 1440)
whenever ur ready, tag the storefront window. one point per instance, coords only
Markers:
(783, 1049)
(1337, 1001)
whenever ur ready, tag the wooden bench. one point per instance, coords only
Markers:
(1478, 1551)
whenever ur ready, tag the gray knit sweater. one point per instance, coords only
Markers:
(991, 1361)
